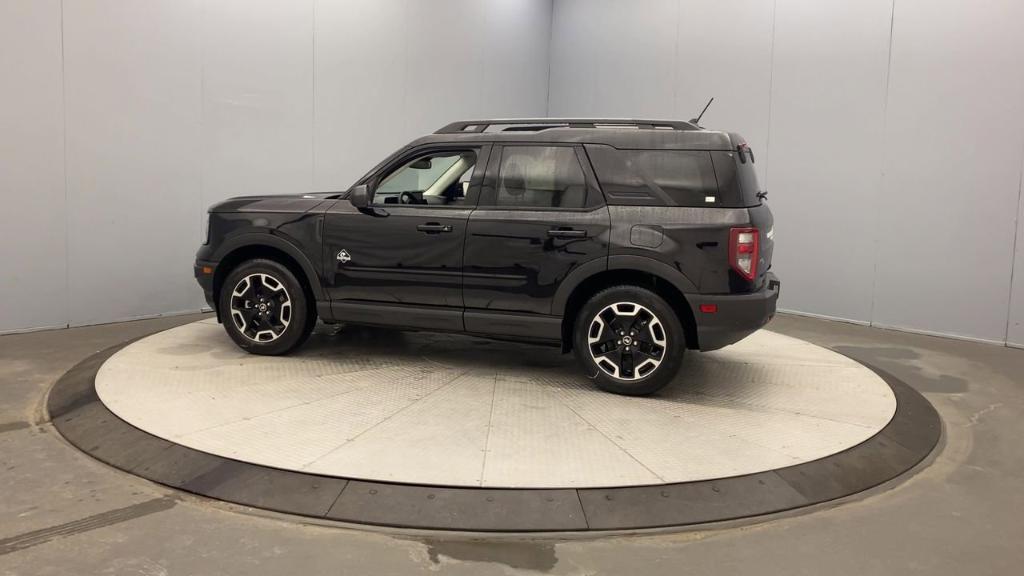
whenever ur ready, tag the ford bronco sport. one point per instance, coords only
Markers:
(625, 241)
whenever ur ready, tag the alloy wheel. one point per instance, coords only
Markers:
(261, 307)
(627, 341)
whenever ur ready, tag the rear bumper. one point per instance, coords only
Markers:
(736, 316)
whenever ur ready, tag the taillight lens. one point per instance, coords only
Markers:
(744, 251)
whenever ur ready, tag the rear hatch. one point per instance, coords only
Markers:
(651, 196)
(738, 179)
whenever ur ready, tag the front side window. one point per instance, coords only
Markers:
(540, 177)
(438, 178)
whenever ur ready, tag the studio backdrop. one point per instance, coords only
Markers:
(889, 133)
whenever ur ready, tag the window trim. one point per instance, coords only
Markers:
(488, 197)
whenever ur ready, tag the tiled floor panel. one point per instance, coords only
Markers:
(449, 410)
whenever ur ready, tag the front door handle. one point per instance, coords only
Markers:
(434, 228)
(567, 233)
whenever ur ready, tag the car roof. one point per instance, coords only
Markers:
(616, 132)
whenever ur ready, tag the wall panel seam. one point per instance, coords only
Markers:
(200, 161)
(66, 308)
(675, 58)
(1016, 246)
(551, 41)
(881, 167)
(312, 131)
(771, 90)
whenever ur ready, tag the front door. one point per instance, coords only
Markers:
(399, 260)
(540, 217)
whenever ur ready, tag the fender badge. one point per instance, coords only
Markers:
(344, 257)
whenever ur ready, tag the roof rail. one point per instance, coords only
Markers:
(471, 126)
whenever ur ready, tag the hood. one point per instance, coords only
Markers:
(275, 202)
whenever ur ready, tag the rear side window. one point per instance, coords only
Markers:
(541, 177)
(736, 177)
(655, 177)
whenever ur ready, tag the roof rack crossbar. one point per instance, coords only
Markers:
(476, 126)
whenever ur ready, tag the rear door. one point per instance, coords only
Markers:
(540, 217)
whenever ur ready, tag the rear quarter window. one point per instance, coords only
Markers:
(655, 177)
(737, 179)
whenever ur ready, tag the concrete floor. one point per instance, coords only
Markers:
(63, 513)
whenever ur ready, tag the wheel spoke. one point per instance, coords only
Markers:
(626, 364)
(249, 314)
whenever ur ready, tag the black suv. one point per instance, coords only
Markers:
(627, 241)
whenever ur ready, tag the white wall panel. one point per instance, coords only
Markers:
(360, 67)
(1015, 322)
(894, 175)
(725, 51)
(665, 58)
(257, 83)
(393, 70)
(444, 70)
(614, 59)
(33, 281)
(894, 190)
(827, 116)
(172, 105)
(952, 167)
(132, 84)
(515, 46)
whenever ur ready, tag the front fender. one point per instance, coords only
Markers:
(275, 240)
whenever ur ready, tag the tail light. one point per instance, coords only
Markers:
(744, 251)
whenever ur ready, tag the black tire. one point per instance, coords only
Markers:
(277, 328)
(654, 325)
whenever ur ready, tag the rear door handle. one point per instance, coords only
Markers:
(567, 233)
(434, 228)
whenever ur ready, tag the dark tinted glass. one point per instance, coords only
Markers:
(747, 177)
(655, 177)
(541, 177)
(737, 180)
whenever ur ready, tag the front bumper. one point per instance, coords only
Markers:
(736, 316)
(204, 271)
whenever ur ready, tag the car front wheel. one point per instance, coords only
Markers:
(264, 308)
(629, 340)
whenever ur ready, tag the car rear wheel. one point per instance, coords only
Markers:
(264, 308)
(629, 340)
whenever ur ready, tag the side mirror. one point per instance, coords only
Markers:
(359, 196)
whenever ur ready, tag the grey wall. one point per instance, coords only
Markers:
(889, 134)
(132, 86)
(121, 121)
(32, 210)
(962, 104)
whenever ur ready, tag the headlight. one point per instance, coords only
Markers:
(206, 230)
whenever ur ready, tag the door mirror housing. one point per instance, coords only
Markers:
(360, 196)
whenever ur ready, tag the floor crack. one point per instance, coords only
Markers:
(976, 417)
(490, 424)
